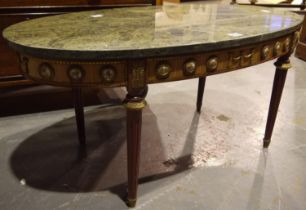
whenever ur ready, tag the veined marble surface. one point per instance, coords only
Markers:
(149, 31)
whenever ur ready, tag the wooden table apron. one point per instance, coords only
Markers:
(136, 74)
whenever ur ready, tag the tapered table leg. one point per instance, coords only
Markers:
(201, 87)
(282, 66)
(79, 114)
(134, 120)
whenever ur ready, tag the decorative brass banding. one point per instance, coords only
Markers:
(190, 67)
(283, 65)
(236, 59)
(75, 73)
(24, 61)
(212, 64)
(46, 71)
(265, 52)
(136, 105)
(163, 71)
(137, 76)
(108, 73)
(277, 48)
(287, 44)
(248, 56)
(85, 62)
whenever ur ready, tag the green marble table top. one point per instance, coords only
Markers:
(149, 31)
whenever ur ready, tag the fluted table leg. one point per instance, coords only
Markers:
(282, 66)
(134, 108)
(79, 114)
(201, 87)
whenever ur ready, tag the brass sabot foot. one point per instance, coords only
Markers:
(266, 143)
(131, 202)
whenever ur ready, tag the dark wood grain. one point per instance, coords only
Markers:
(79, 114)
(201, 87)
(134, 122)
(277, 90)
(134, 103)
(133, 148)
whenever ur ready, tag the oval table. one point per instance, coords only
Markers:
(134, 47)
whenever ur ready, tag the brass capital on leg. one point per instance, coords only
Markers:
(135, 105)
(283, 63)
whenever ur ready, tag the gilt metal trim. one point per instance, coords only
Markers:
(136, 105)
